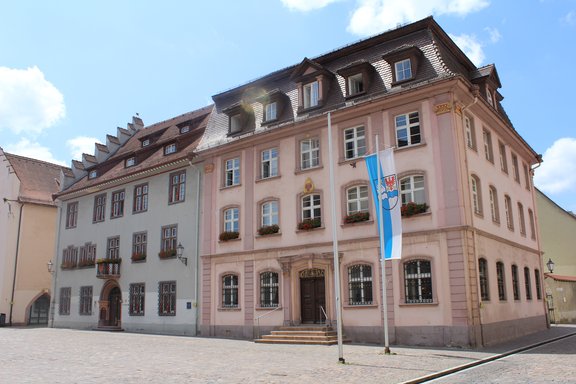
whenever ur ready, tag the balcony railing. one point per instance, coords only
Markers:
(108, 268)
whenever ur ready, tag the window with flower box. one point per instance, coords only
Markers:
(177, 188)
(167, 298)
(86, 300)
(311, 210)
(64, 303)
(87, 255)
(69, 257)
(137, 299)
(139, 246)
(357, 204)
(169, 241)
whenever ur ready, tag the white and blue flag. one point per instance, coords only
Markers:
(391, 233)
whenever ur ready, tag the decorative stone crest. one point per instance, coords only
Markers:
(440, 109)
(308, 186)
(311, 273)
(209, 168)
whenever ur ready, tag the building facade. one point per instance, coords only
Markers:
(470, 269)
(27, 238)
(127, 231)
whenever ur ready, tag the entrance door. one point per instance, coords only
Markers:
(312, 297)
(115, 302)
(39, 311)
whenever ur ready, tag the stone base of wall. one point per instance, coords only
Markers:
(499, 332)
(158, 329)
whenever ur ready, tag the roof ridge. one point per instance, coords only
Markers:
(54, 165)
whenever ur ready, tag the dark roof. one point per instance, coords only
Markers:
(38, 179)
(560, 277)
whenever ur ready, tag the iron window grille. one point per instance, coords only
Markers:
(360, 284)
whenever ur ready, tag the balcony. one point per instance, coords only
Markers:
(108, 268)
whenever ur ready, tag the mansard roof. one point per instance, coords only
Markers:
(38, 179)
(113, 169)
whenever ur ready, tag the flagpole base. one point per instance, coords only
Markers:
(386, 350)
(341, 360)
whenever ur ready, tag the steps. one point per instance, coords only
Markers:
(314, 335)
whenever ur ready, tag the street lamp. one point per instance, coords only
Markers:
(50, 266)
(179, 252)
(550, 265)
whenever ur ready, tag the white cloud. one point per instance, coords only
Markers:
(80, 145)
(34, 150)
(306, 5)
(375, 16)
(495, 35)
(28, 102)
(471, 47)
(557, 173)
(569, 18)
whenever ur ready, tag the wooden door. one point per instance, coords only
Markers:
(115, 302)
(312, 297)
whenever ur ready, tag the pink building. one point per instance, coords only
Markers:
(469, 274)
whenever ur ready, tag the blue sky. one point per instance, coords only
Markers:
(73, 71)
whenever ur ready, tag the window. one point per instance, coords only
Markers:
(515, 283)
(269, 213)
(167, 298)
(169, 149)
(93, 174)
(232, 172)
(130, 162)
(113, 248)
(357, 199)
(538, 287)
(311, 208)
(137, 299)
(503, 160)
(184, 129)
(269, 163)
(412, 190)
(99, 208)
(403, 70)
(169, 238)
(360, 284)
(145, 142)
(271, 111)
(501, 281)
(476, 194)
(508, 211)
(532, 224)
(488, 146)
(177, 187)
(268, 289)
(87, 255)
(470, 134)
(526, 175)
(311, 94)
(231, 220)
(139, 246)
(355, 84)
(64, 304)
(354, 143)
(69, 257)
(140, 198)
(515, 169)
(408, 129)
(527, 283)
(494, 211)
(71, 214)
(418, 281)
(230, 291)
(309, 153)
(236, 123)
(86, 301)
(483, 277)
(489, 97)
(117, 204)
(521, 219)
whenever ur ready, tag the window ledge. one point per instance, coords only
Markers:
(309, 109)
(137, 212)
(434, 303)
(365, 222)
(360, 306)
(427, 213)
(401, 82)
(261, 179)
(279, 233)
(412, 146)
(479, 214)
(229, 241)
(176, 202)
(225, 309)
(230, 186)
(309, 230)
(299, 171)
(278, 308)
(349, 97)
(352, 162)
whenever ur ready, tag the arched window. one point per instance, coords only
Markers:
(521, 219)
(269, 289)
(515, 283)
(538, 287)
(231, 220)
(269, 213)
(230, 291)
(412, 189)
(528, 283)
(532, 224)
(483, 277)
(476, 194)
(494, 211)
(501, 281)
(509, 215)
(360, 284)
(418, 281)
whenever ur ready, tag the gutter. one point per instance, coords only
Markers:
(15, 259)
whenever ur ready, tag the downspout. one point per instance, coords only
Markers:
(15, 261)
(197, 263)
(55, 266)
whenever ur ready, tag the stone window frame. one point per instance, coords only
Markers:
(494, 205)
(71, 215)
(177, 187)
(99, 213)
(344, 193)
(411, 53)
(223, 211)
(483, 279)
(137, 299)
(501, 280)
(402, 280)
(85, 301)
(527, 283)
(411, 174)
(117, 199)
(260, 288)
(476, 195)
(298, 156)
(170, 295)
(515, 282)
(470, 132)
(64, 301)
(221, 292)
(234, 170)
(347, 283)
(260, 206)
(140, 202)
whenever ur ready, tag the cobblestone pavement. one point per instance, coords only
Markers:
(46, 355)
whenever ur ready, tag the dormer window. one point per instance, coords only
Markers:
(145, 142)
(185, 129)
(273, 105)
(310, 92)
(240, 118)
(169, 149)
(358, 76)
(489, 97)
(404, 62)
(130, 162)
(93, 174)
(270, 111)
(313, 82)
(235, 123)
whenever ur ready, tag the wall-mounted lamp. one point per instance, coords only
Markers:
(550, 265)
(179, 252)
(50, 266)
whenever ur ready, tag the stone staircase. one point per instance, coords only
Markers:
(316, 335)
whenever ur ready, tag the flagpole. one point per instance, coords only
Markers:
(335, 246)
(382, 250)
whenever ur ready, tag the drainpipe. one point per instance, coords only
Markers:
(15, 259)
(197, 264)
(55, 270)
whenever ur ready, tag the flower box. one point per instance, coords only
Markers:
(225, 236)
(86, 263)
(309, 224)
(138, 256)
(357, 217)
(167, 253)
(108, 261)
(68, 265)
(411, 209)
(268, 229)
